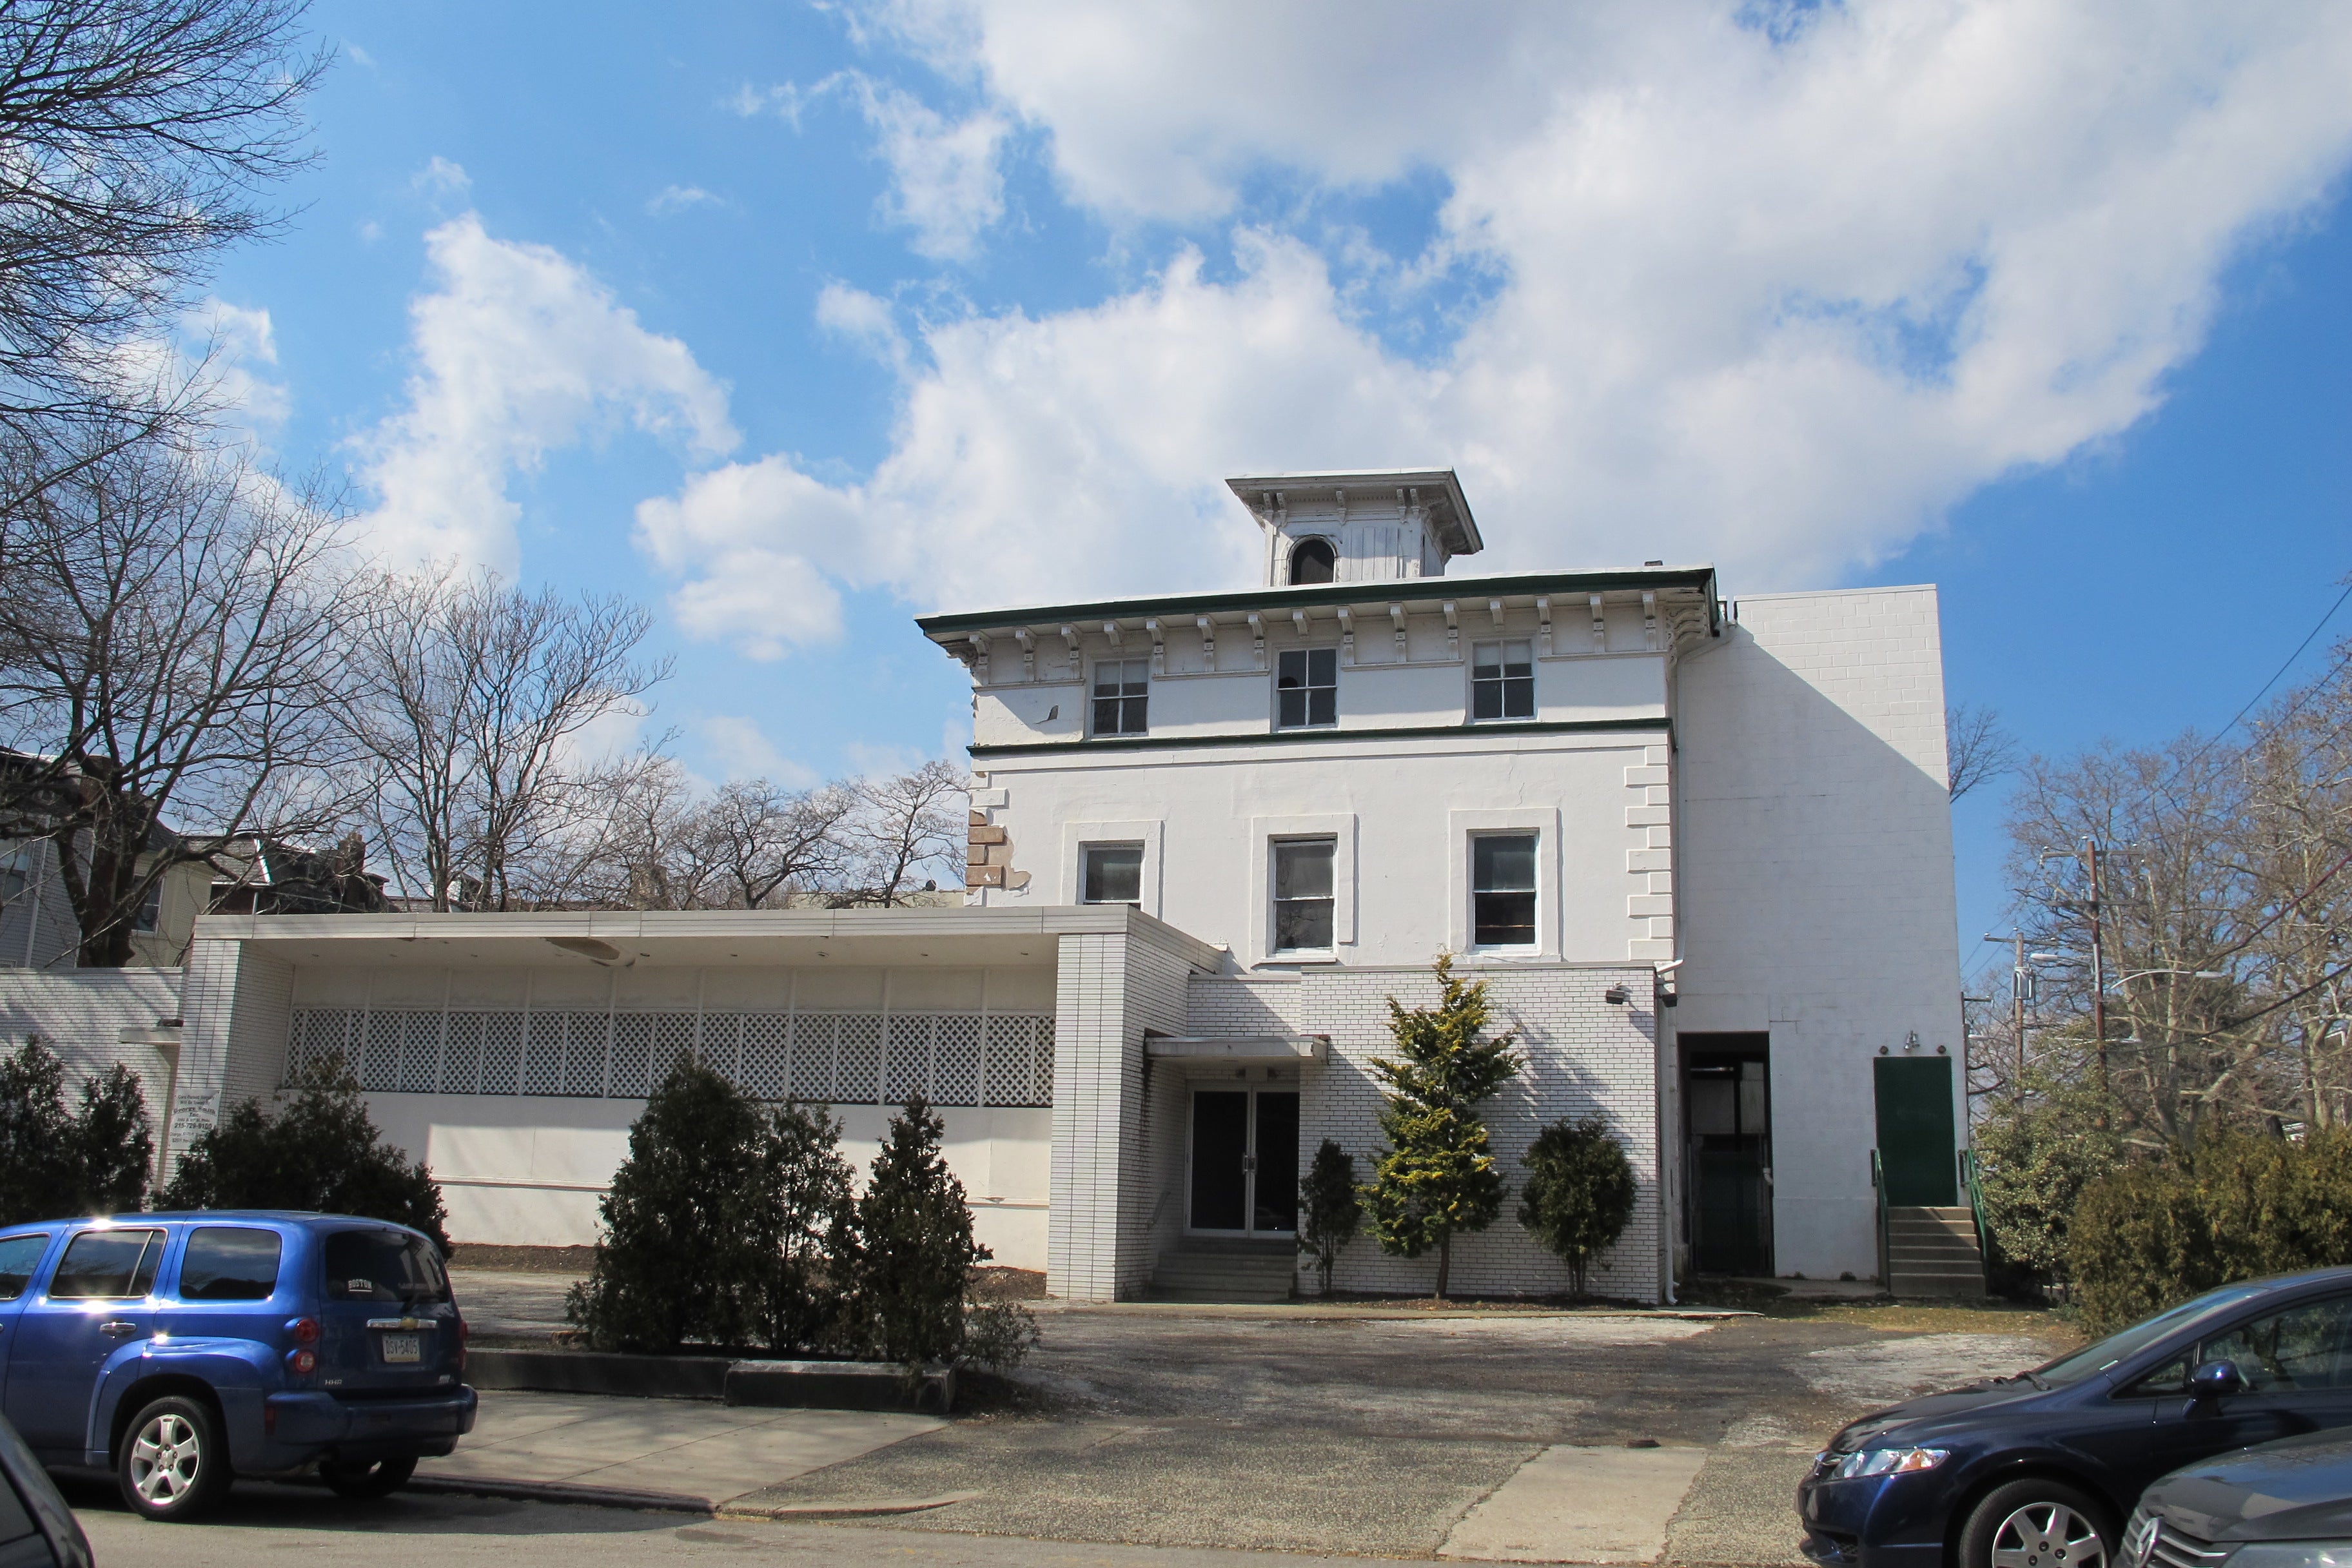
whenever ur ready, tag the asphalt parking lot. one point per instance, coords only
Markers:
(1176, 1432)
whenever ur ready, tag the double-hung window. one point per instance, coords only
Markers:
(1503, 889)
(1502, 681)
(1113, 874)
(1302, 895)
(1122, 687)
(1306, 687)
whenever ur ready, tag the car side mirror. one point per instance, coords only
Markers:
(2216, 1380)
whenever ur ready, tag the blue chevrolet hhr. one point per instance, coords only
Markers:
(179, 1349)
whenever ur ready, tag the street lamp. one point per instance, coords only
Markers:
(2192, 973)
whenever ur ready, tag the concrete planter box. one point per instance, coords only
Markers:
(798, 1385)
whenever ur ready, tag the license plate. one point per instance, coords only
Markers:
(403, 1348)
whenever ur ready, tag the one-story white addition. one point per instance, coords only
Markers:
(1699, 848)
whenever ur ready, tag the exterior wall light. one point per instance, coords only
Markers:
(1614, 996)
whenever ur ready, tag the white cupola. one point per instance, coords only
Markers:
(1372, 526)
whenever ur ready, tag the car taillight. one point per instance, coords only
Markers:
(304, 1330)
(303, 1362)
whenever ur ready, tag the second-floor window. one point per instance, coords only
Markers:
(1113, 874)
(1306, 687)
(1503, 889)
(1122, 687)
(1502, 681)
(1302, 895)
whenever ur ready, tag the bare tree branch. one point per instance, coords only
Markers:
(1976, 748)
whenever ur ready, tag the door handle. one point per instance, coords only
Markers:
(117, 1327)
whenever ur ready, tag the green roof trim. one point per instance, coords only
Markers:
(1294, 737)
(1400, 590)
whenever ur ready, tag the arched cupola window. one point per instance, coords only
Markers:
(1312, 561)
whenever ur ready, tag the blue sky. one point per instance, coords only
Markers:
(792, 320)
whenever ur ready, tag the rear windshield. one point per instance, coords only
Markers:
(109, 1263)
(383, 1266)
(230, 1263)
(19, 1256)
(2098, 1357)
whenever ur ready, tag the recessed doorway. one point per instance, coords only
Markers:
(1728, 1128)
(1245, 1155)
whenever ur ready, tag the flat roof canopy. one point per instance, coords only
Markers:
(949, 938)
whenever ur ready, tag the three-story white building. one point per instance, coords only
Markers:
(1698, 848)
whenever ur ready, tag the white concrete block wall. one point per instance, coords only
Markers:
(238, 1004)
(80, 1014)
(1585, 1055)
(1815, 889)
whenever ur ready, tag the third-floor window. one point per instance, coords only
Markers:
(1122, 687)
(1306, 687)
(1502, 681)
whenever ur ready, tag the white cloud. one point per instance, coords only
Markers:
(863, 319)
(741, 747)
(442, 180)
(235, 340)
(516, 352)
(1776, 301)
(944, 180)
(673, 199)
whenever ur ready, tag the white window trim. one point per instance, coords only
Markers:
(1460, 827)
(1340, 828)
(1076, 835)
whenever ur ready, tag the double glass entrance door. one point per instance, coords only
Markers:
(1246, 1161)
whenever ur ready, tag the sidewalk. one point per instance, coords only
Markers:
(676, 1453)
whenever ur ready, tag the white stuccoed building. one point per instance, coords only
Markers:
(1699, 848)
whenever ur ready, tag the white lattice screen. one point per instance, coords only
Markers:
(838, 1058)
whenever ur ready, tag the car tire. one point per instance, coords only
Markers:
(173, 1463)
(376, 1479)
(2038, 1523)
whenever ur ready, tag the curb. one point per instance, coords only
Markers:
(559, 1491)
(846, 1507)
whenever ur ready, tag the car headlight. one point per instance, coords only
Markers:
(2293, 1554)
(1900, 1461)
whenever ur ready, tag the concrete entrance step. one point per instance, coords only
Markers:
(1216, 1269)
(1932, 1251)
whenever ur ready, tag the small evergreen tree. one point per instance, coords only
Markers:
(2035, 1154)
(1330, 1210)
(689, 1247)
(915, 1247)
(803, 1225)
(1579, 1192)
(321, 1151)
(1436, 1178)
(54, 1163)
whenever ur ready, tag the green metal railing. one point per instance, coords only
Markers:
(1878, 1186)
(1975, 1190)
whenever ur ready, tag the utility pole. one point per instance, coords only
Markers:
(2018, 986)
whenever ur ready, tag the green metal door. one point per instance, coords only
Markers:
(1915, 1132)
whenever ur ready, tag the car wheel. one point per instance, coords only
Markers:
(380, 1477)
(2037, 1524)
(173, 1463)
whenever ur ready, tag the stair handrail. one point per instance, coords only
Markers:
(1878, 1186)
(1975, 1189)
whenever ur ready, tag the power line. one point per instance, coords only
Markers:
(2282, 670)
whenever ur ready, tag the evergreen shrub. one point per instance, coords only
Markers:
(1436, 1178)
(1330, 1210)
(1579, 1193)
(692, 1250)
(2232, 1207)
(2034, 1157)
(320, 1151)
(55, 1163)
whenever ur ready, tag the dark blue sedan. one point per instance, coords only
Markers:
(2040, 1470)
(179, 1350)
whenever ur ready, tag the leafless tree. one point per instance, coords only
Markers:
(136, 137)
(475, 697)
(901, 827)
(763, 842)
(169, 647)
(1976, 748)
